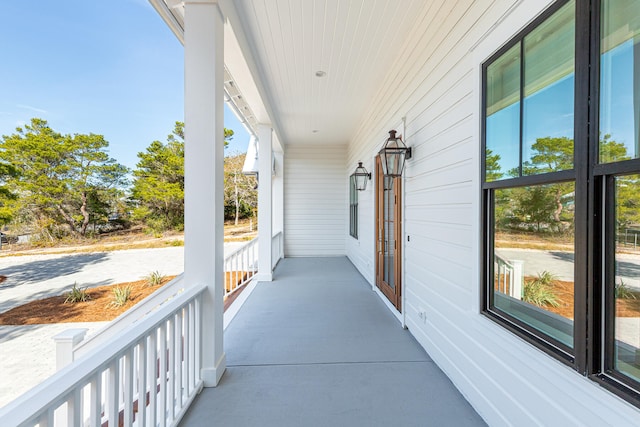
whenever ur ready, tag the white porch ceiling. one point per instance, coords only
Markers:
(354, 42)
(285, 42)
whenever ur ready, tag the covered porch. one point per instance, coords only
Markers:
(317, 347)
(319, 341)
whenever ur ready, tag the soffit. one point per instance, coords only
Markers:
(353, 42)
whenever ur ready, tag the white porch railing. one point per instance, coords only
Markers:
(145, 307)
(508, 276)
(148, 376)
(277, 248)
(240, 265)
(116, 378)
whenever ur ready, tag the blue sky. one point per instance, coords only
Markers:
(549, 112)
(110, 68)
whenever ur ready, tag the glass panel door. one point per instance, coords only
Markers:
(388, 229)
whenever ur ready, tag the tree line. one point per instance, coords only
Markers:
(55, 185)
(548, 209)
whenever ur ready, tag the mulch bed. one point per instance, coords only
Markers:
(564, 292)
(97, 309)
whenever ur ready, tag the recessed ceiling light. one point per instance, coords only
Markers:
(320, 73)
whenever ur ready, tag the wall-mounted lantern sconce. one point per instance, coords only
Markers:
(362, 176)
(393, 155)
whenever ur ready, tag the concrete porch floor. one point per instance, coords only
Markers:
(316, 347)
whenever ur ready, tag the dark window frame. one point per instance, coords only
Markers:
(592, 353)
(544, 342)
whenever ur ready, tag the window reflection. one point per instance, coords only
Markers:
(503, 115)
(627, 276)
(543, 102)
(548, 95)
(534, 257)
(619, 81)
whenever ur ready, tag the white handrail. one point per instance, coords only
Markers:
(111, 380)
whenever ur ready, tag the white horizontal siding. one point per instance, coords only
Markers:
(435, 85)
(316, 207)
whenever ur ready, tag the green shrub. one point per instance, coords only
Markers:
(77, 295)
(624, 292)
(546, 278)
(155, 278)
(540, 292)
(120, 296)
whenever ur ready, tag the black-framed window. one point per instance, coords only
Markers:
(353, 207)
(561, 188)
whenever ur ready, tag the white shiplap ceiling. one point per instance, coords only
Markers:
(354, 42)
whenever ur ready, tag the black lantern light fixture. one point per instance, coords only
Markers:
(393, 155)
(362, 176)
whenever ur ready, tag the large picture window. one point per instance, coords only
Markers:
(617, 175)
(530, 180)
(561, 188)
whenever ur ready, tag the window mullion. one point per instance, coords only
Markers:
(583, 221)
(521, 125)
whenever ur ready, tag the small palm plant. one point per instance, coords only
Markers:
(539, 291)
(623, 291)
(121, 295)
(77, 295)
(155, 278)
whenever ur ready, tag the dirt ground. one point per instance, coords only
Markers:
(564, 292)
(98, 308)
(134, 238)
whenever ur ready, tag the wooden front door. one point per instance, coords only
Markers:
(388, 235)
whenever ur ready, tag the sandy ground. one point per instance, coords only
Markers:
(27, 353)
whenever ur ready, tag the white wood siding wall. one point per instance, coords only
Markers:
(435, 85)
(316, 209)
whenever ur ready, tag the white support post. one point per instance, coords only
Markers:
(65, 341)
(265, 225)
(518, 279)
(203, 181)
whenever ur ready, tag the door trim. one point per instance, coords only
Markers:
(393, 294)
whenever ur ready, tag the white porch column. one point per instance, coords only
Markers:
(203, 181)
(265, 226)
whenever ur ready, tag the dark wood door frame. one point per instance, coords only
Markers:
(389, 236)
